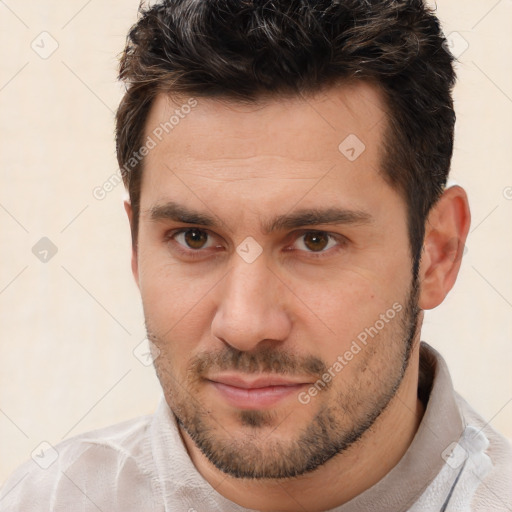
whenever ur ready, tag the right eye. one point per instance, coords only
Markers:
(191, 242)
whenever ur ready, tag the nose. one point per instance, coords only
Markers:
(251, 306)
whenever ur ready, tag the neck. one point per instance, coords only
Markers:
(344, 476)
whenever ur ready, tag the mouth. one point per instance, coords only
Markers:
(261, 392)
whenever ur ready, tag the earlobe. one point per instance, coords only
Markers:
(135, 267)
(446, 231)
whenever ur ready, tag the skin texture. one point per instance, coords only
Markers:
(302, 302)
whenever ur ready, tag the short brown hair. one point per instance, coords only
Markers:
(245, 50)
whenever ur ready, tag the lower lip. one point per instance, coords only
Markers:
(256, 398)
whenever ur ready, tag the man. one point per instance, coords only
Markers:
(286, 164)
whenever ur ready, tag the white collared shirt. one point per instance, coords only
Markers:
(456, 462)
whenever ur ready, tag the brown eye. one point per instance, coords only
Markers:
(316, 241)
(195, 238)
(190, 243)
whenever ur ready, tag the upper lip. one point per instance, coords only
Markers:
(257, 382)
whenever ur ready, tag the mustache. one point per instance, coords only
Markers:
(265, 360)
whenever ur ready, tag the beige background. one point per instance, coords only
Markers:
(69, 326)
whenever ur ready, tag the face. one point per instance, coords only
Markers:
(275, 274)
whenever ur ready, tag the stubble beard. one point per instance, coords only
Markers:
(260, 453)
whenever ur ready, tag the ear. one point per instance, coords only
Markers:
(135, 263)
(446, 231)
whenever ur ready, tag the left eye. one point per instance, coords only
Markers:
(315, 241)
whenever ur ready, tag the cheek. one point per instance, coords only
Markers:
(177, 307)
(167, 292)
(355, 297)
(357, 307)
(174, 314)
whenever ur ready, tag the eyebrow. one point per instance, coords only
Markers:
(299, 218)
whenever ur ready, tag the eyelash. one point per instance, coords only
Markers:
(198, 253)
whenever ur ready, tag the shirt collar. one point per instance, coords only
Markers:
(179, 481)
(442, 424)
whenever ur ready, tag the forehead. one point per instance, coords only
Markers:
(300, 127)
(333, 137)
